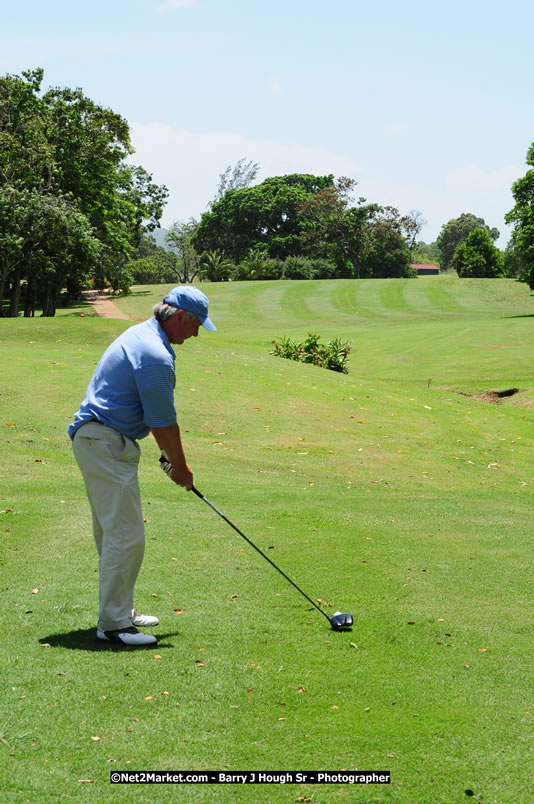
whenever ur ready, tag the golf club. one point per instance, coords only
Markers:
(339, 621)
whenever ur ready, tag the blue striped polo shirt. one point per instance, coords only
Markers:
(132, 388)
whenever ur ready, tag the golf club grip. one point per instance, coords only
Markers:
(202, 497)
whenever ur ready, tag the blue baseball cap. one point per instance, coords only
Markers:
(190, 298)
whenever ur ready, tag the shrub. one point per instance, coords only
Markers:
(333, 356)
(298, 268)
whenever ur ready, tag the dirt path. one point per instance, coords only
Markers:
(102, 305)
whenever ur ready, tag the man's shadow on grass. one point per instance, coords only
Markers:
(85, 639)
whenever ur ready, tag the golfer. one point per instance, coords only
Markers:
(129, 396)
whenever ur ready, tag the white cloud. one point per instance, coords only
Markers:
(474, 179)
(487, 194)
(441, 198)
(190, 164)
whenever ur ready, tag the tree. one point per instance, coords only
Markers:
(514, 267)
(455, 232)
(46, 239)
(236, 178)
(477, 256)
(372, 239)
(264, 216)
(409, 225)
(334, 230)
(386, 253)
(148, 199)
(426, 253)
(152, 264)
(258, 265)
(216, 267)
(90, 145)
(25, 152)
(522, 216)
(65, 155)
(180, 238)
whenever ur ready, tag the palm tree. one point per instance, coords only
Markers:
(216, 266)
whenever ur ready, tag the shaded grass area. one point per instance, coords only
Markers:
(402, 502)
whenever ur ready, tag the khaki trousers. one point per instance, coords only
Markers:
(108, 462)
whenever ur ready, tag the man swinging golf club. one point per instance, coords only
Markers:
(130, 395)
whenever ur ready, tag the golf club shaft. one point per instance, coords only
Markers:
(202, 497)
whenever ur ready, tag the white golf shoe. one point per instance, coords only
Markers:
(130, 637)
(143, 620)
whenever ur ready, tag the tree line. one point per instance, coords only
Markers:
(309, 227)
(297, 226)
(74, 214)
(71, 209)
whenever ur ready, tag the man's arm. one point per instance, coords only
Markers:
(169, 439)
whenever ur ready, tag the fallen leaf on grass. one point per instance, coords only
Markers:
(134, 718)
(482, 650)
(3, 741)
(233, 597)
(154, 594)
(35, 591)
(44, 644)
(85, 781)
(148, 698)
(95, 739)
(178, 611)
(301, 689)
(157, 656)
(281, 718)
(334, 707)
(6, 511)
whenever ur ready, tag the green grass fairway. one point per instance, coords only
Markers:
(393, 493)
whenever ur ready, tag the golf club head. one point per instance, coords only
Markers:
(340, 621)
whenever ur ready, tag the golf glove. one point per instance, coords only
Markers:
(166, 465)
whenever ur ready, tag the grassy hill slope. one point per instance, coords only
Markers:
(403, 501)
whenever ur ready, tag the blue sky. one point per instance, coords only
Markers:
(429, 106)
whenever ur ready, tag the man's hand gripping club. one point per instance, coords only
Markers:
(173, 461)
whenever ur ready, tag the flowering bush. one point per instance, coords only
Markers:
(333, 356)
